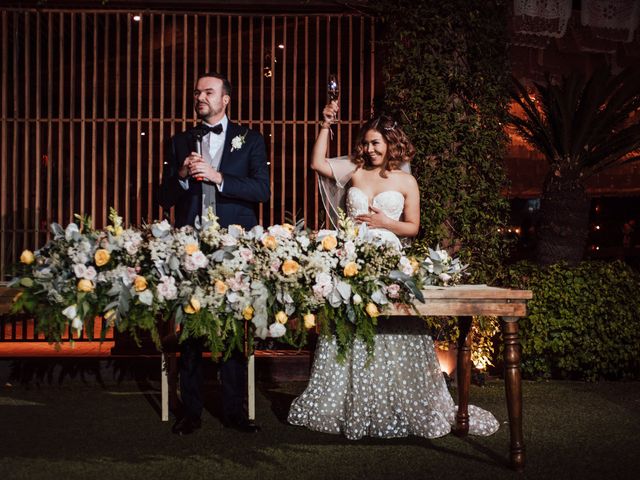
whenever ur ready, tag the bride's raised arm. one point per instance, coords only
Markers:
(319, 153)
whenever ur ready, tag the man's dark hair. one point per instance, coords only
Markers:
(226, 86)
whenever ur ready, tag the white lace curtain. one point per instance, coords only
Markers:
(614, 20)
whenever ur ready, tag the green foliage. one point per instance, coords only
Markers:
(446, 80)
(583, 322)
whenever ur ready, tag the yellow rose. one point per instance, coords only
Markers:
(85, 285)
(350, 269)
(289, 267)
(192, 307)
(372, 310)
(309, 320)
(281, 317)
(288, 227)
(329, 242)
(27, 257)
(247, 312)
(101, 257)
(220, 287)
(140, 283)
(191, 248)
(270, 242)
(415, 265)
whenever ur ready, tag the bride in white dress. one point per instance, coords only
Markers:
(400, 391)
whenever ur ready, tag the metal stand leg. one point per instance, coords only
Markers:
(251, 388)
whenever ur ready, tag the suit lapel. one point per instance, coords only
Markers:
(232, 131)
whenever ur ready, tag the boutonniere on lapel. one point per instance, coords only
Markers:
(238, 141)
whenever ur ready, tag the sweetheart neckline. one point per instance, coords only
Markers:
(372, 199)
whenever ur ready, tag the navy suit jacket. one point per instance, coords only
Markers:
(245, 174)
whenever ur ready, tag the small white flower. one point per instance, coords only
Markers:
(146, 297)
(70, 312)
(277, 330)
(237, 142)
(71, 232)
(77, 324)
(356, 299)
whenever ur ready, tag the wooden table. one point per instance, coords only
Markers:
(464, 302)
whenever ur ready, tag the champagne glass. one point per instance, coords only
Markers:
(333, 91)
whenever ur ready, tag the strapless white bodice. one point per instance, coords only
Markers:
(390, 202)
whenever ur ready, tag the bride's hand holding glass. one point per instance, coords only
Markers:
(330, 112)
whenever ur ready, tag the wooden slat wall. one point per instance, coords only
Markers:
(89, 98)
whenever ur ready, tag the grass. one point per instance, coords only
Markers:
(93, 421)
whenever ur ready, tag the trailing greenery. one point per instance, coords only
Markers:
(583, 321)
(446, 80)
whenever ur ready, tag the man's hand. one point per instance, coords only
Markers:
(200, 169)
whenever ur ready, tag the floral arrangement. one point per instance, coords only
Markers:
(278, 281)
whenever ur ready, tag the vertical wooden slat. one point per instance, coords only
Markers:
(339, 77)
(3, 145)
(319, 104)
(173, 73)
(272, 93)
(61, 97)
(196, 67)
(26, 150)
(252, 69)
(261, 102)
(150, 124)
(350, 101)
(362, 65)
(72, 118)
(372, 80)
(49, 152)
(207, 41)
(239, 75)
(161, 112)
(94, 126)
(305, 163)
(37, 212)
(294, 138)
(14, 157)
(185, 53)
(127, 132)
(83, 111)
(218, 42)
(138, 201)
(283, 158)
(116, 133)
(228, 73)
(105, 124)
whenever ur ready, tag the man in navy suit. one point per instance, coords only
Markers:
(232, 176)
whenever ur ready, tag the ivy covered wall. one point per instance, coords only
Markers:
(445, 76)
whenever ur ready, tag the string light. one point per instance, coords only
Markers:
(137, 18)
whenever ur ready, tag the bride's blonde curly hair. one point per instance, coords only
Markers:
(399, 147)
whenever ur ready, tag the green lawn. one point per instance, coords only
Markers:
(64, 422)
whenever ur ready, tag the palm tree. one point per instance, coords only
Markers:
(582, 126)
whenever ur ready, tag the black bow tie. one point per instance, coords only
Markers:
(217, 129)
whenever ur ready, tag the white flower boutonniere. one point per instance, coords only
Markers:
(238, 141)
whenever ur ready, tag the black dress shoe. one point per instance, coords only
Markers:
(186, 426)
(243, 426)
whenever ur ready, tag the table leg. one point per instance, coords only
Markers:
(513, 386)
(463, 376)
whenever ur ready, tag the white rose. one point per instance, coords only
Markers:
(277, 330)
(161, 229)
(79, 270)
